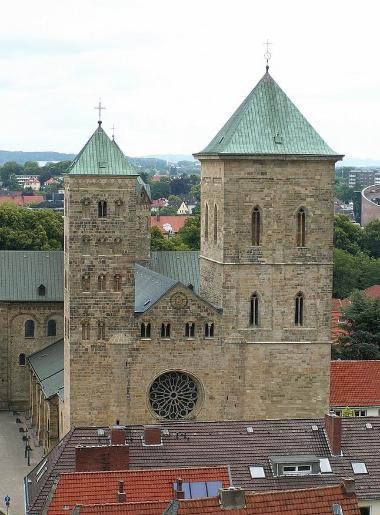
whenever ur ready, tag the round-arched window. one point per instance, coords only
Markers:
(174, 395)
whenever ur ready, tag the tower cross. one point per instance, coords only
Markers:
(100, 108)
(267, 54)
(113, 131)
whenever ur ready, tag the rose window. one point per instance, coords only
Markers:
(173, 395)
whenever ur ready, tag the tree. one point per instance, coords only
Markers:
(190, 233)
(353, 271)
(168, 211)
(160, 189)
(347, 235)
(26, 229)
(31, 168)
(344, 193)
(371, 238)
(175, 201)
(362, 329)
(159, 242)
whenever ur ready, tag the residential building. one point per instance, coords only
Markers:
(370, 206)
(363, 178)
(169, 225)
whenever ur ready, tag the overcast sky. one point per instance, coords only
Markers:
(171, 72)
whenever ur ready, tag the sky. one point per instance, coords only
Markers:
(171, 72)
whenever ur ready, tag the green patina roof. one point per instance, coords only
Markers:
(268, 122)
(181, 266)
(101, 156)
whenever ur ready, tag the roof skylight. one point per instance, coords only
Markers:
(359, 467)
(256, 472)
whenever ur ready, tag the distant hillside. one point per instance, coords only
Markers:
(172, 158)
(23, 157)
(360, 163)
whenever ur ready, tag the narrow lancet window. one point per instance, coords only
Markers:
(52, 328)
(209, 330)
(85, 282)
(85, 330)
(299, 309)
(165, 330)
(190, 330)
(256, 227)
(102, 209)
(301, 227)
(206, 222)
(101, 330)
(254, 311)
(117, 282)
(145, 330)
(22, 360)
(29, 329)
(101, 283)
(215, 224)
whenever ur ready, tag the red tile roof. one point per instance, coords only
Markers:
(140, 485)
(373, 291)
(311, 501)
(175, 221)
(355, 383)
(22, 199)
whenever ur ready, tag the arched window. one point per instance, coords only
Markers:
(101, 330)
(206, 222)
(299, 309)
(52, 328)
(254, 311)
(29, 329)
(85, 330)
(102, 209)
(215, 223)
(190, 330)
(301, 228)
(22, 360)
(165, 330)
(85, 282)
(256, 227)
(117, 282)
(209, 330)
(41, 290)
(145, 330)
(102, 283)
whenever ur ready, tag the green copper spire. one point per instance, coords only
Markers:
(267, 123)
(101, 156)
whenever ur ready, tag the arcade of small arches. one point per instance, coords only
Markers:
(165, 332)
(102, 282)
(257, 226)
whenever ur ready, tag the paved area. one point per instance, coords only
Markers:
(13, 465)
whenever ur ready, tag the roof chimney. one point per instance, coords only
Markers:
(152, 435)
(118, 435)
(348, 485)
(333, 427)
(178, 491)
(121, 496)
(101, 457)
(158, 214)
(232, 498)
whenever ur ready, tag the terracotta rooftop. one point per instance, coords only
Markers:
(22, 200)
(373, 291)
(239, 444)
(313, 501)
(355, 383)
(176, 222)
(139, 485)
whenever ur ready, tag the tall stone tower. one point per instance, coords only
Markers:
(266, 250)
(107, 213)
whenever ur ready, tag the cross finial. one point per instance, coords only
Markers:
(113, 131)
(99, 107)
(267, 54)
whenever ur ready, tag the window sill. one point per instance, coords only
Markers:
(190, 338)
(165, 339)
(29, 337)
(210, 337)
(145, 339)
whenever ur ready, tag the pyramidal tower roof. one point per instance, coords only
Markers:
(101, 156)
(267, 123)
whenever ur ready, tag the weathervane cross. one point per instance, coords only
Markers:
(267, 53)
(113, 131)
(99, 107)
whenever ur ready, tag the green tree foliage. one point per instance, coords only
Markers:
(160, 189)
(175, 201)
(26, 229)
(31, 168)
(344, 193)
(371, 239)
(347, 235)
(160, 242)
(362, 328)
(190, 233)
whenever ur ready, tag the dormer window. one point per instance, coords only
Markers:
(41, 290)
(297, 465)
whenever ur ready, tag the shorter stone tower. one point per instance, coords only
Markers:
(107, 214)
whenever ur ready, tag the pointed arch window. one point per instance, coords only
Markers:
(85, 330)
(117, 282)
(102, 209)
(299, 309)
(145, 330)
(254, 310)
(22, 360)
(256, 227)
(301, 227)
(101, 330)
(29, 329)
(206, 222)
(190, 330)
(85, 282)
(209, 330)
(165, 330)
(215, 223)
(102, 283)
(52, 328)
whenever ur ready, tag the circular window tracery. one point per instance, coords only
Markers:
(174, 395)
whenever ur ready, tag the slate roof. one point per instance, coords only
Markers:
(267, 123)
(47, 365)
(312, 501)
(355, 383)
(139, 485)
(182, 266)
(194, 444)
(101, 156)
(22, 272)
(149, 287)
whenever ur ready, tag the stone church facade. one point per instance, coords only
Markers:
(254, 340)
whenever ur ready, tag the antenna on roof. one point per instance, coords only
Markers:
(99, 107)
(267, 54)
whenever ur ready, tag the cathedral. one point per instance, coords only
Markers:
(239, 330)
